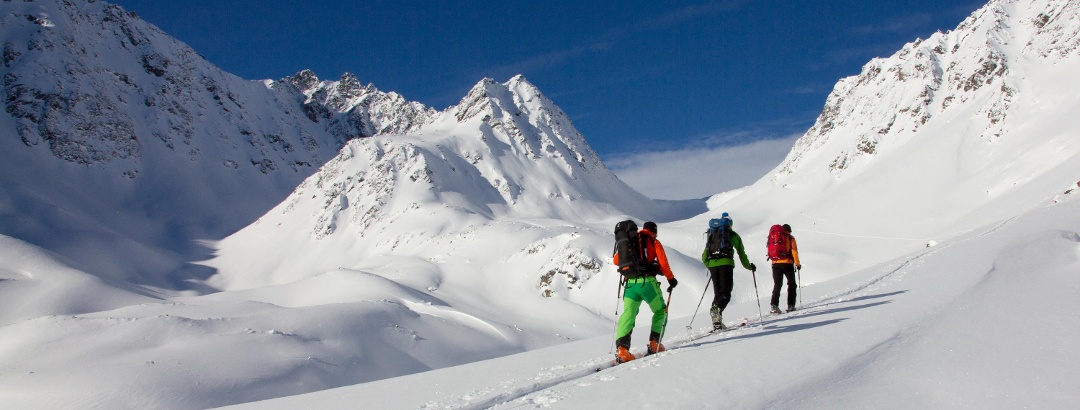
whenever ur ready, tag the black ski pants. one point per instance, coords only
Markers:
(723, 281)
(779, 272)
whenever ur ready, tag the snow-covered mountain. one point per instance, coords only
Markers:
(936, 192)
(502, 166)
(122, 144)
(950, 133)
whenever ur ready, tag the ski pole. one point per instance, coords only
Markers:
(753, 274)
(798, 284)
(690, 327)
(615, 328)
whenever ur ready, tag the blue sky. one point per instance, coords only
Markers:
(638, 78)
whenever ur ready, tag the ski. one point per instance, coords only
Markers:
(742, 323)
(608, 365)
(718, 331)
(615, 362)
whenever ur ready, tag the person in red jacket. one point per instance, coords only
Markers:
(785, 267)
(645, 288)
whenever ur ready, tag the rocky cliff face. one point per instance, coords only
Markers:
(136, 123)
(969, 69)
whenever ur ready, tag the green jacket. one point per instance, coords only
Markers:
(736, 242)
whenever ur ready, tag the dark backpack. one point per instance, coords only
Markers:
(628, 248)
(718, 245)
(779, 246)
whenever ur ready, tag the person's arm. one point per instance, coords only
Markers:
(795, 253)
(661, 258)
(736, 242)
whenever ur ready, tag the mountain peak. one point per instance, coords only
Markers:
(477, 100)
(930, 82)
(303, 80)
(511, 96)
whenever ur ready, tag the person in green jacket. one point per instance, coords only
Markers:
(719, 257)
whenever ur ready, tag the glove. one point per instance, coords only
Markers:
(672, 283)
(753, 267)
(798, 267)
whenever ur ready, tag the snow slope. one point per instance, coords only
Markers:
(981, 321)
(459, 258)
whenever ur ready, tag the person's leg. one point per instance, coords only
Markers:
(652, 295)
(778, 283)
(727, 283)
(718, 293)
(631, 303)
(792, 286)
(655, 299)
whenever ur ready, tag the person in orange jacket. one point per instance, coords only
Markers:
(645, 288)
(785, 267)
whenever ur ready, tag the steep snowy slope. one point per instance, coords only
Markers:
(948, 134)
(120, 146)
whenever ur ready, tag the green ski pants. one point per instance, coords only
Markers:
(636, 290)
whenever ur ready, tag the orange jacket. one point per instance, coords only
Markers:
(794, 259)
(654, 252)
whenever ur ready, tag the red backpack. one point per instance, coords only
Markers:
(779, 245)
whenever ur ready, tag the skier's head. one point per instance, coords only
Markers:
(651, 227)
(787, 228)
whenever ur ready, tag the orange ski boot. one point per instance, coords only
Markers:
(655, 347)
(623, 355)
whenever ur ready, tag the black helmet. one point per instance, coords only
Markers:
(787, 228)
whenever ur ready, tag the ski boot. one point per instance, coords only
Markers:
(623, 355)
(654, 347)
(775, 310)
(717, 318)
(791, 308)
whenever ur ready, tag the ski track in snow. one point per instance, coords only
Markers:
(903, 267)
(542, 390)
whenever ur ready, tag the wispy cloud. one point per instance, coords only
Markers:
(893, 33)
(898, 24)
(903, 23)
(612, 37)
(805, 89)
(709, 167)
(679, 16)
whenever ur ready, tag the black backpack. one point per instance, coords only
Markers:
(628, 248)
(718, 245)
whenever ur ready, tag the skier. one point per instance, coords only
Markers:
(784, 265)
(645, 288)
(721, 264)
